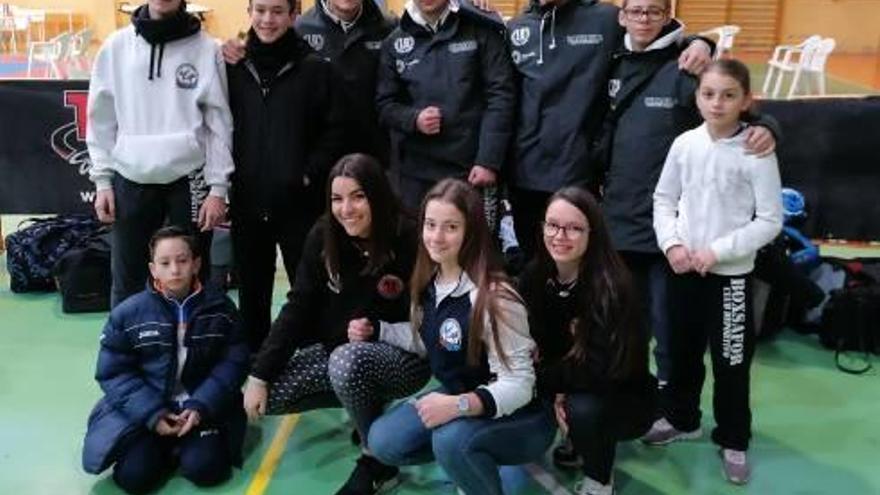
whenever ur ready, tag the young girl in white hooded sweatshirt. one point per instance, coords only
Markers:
(714, 207)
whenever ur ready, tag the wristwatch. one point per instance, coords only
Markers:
(464, 405)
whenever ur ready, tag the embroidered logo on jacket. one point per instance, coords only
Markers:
(450, 335)
(520, 36)
(660, 102)
(584, 39)
(518, 56)
(463, 46)
(372, 45)
(402, 65)
(148, 333)
(404, 45)
(316, 41)
(390, 286)
(187, 76)
(613, 87)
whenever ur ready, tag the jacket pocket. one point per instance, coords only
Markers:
(157, 158)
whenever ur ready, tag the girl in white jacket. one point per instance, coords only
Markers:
(714, 207)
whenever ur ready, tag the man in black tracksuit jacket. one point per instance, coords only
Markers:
(447, 93)
(351, 41)
(562, 51)
(289, 130)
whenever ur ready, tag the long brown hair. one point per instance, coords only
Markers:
(607, 300)
(384, 213)
(477, 257)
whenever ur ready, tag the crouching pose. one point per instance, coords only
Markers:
(321, 350)
(472, 325)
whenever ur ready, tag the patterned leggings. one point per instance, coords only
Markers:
(363, 377)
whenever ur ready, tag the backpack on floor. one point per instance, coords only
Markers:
(851, 317)
(32, 251)
(83, 275)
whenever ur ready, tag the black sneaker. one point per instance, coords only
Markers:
(369, 476)
(565, 457)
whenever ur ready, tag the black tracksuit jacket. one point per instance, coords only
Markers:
(355, 54)
(465, 70)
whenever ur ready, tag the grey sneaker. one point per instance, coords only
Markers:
(736, 466)
(662, 433)
(589, 486)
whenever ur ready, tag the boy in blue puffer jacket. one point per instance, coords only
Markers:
(171, 364)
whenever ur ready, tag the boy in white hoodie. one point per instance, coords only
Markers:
(159, 134)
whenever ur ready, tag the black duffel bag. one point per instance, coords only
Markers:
(83, 276)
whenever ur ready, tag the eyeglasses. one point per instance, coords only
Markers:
(569, 231)
(652, 15)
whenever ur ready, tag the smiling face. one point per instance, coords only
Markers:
(174, 267)
(443, 232)
(160, 9)
(643, 20)
(350, 207)
(721, 100)
(270, 19)
(566, 232)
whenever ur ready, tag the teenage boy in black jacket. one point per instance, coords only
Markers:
(349, 34)
(289, 129)
(446, 91)
(562, 51)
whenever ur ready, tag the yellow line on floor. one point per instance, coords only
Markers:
(273, 455)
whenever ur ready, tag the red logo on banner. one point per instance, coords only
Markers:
(69, 140)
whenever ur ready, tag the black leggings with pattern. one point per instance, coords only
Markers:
(362, 377)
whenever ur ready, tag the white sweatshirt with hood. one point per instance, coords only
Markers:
(154, 123)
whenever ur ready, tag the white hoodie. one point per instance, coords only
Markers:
(711, 194)
(158, 131)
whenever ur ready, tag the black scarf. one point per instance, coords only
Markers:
(157, 32)
(270, 58)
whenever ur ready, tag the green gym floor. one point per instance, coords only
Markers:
(816, 429)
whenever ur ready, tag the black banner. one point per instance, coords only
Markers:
(43, 158)
(829, 152)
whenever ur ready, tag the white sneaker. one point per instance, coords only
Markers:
(589, 486)
(735, 465)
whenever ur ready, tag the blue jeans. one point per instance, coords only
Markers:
(651, 274)
(468, 449)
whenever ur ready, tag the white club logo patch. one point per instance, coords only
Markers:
(450, 335)
(316, 41)
(520, 36)
(613, 87)
(404, 45)
(186, 76)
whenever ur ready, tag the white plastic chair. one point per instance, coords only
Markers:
(79, 50)
(11, 23)
(788, 58)
(815, 66)
(726, 35)
(53, 52)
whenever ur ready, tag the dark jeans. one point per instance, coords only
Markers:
(598, 422)
(254, 254)
(147, 459)
(468, 449)
(716, 310)
(528, 213)
(141, 209)
(651, 275)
